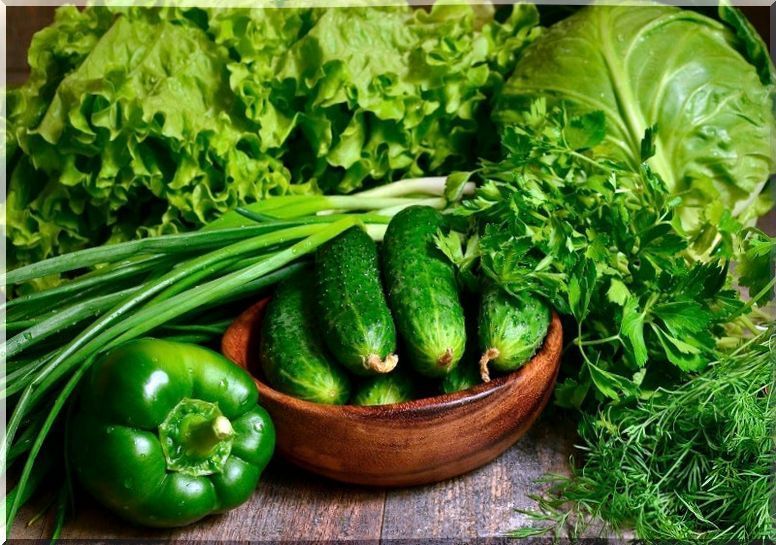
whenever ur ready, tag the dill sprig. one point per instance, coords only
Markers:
(693, 464)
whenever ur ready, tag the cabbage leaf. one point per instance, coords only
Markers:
(673, 70)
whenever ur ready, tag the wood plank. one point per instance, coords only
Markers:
(288, 505)
(294, 505)
(483, 502)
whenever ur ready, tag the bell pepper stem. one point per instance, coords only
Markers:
(202, 436)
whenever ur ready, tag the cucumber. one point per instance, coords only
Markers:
(385, 389)
(511, 329)
(353, 314)
(422, 292)
(466, 375)
(293, 356)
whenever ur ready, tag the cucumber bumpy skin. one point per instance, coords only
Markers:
(293, 357)
(385, 389)
(356, 323)
(423, 293)
(511, 329)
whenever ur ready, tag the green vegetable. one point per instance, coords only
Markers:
(127, 144)
(687, 465)
(511, 329)
(292, 352)
(148, 121)
(755, 264)
(422, 292)
(172, 283)
(596, 240)
(353, 94)
(353, 314)
(166, 433)
(677, 73)
(395, 387)
(465, 375)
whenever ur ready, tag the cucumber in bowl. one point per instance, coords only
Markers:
(293, 357)
(423, 292)
(353, 314)
(511, 329)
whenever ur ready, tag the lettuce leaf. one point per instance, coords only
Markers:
(138, 139)
(360, 95)
(139, 121)
(55, 51)
(677, 71)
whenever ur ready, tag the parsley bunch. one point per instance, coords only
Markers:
(600, 242)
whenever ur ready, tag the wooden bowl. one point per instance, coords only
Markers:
(411, 443)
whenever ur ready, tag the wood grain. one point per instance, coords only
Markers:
(21, 23)
(482, 503)
(294, 505)
(288, 505)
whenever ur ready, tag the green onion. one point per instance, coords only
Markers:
(64, 319)
(96, 279)
(311, 205)
(168, 244)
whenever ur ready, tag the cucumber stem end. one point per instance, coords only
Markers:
(373, 362)
(490, 354)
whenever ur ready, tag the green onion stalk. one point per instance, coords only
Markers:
(158, 285)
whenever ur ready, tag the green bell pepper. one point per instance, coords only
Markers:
(165, 433)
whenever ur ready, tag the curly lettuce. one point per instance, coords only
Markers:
(138, 139)
(362, 95)
(139, 121)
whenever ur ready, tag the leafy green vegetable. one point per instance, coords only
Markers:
(597, 240)
(401, 91)
(676, 455)
(55, 51)
(675, 71)
(756, 264)
(138, 139)
(139, 121)
(689, 465)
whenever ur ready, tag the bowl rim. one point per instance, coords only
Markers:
(548, 353)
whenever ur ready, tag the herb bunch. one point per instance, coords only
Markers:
(601, 243)
(692, 464)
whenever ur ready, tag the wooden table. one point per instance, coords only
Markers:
(292, 505)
